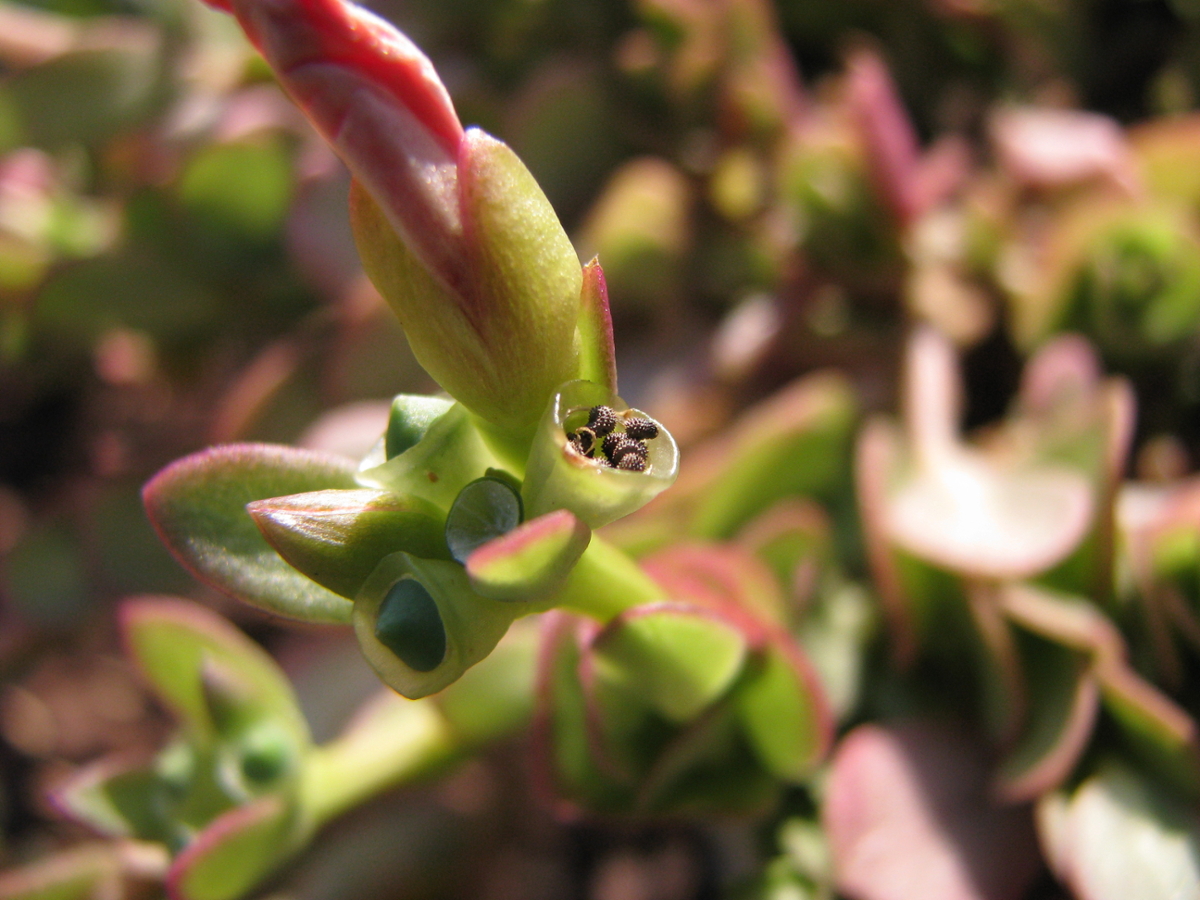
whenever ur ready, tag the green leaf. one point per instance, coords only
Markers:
(531, 561)
(798, 443)
(784, 713)
(495, 698)
(529, 278)
(485, 509)
(90, 95)
(234, 853)
(118, 800)
(421, 626)
(172, 641)
(1119, 837)
(198, 507)
(835, 634)
(244, 187)
(502, 338)
(1160, 732)
(557, 477)
(597, 360)
(449, 455)
(678, 659)
(1063, 703)
(337, 538)
(410, 418)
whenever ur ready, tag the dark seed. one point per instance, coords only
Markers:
(641, 429)
(628, 447)
(602, 420)
(632, 462)
(584, 440)
(611, 442)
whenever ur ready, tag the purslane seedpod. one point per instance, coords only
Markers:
(559, 477)
(420, 625)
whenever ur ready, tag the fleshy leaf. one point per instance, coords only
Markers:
(117, 800)
(440, 625)
(337, 538)
(1160, 732)
(531, 561)
(502, 339)
(1064, 701)
(484, 510)
(797, 443)
(410, 418)
(1063, 618)
(970, 516)
(597, 360)
(678, 659)
(449, 454)
(723, 577)
(560, 478)
(495, 697)
(235, 852)
(1119, 837)
(198, 508)
(784, 713)
(907, 816)
(171, 641)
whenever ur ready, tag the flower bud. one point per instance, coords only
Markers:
(452, 228)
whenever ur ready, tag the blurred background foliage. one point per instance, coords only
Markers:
(772, 189)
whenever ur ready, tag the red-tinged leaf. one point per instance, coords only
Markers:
(172, 640)
(965, 511)
(1063, 703)
(795, 443)
(967, 515)
(531, 561)
(598, 361)
(1062, 372)
(722, 577)
(235, 852)
(784, 713)
(1159, 731)
(908, 816)
(117, 798)
(338, 537)
(376, 98)
(198, 507)
(1056, 148)
(794, 538)
(1063, 618)
(886, 133)
(565, 773)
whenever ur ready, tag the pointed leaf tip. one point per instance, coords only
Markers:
(598, 359)
(198, 507)
(531, 561)
(338, 537)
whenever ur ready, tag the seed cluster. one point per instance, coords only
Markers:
(621, 449)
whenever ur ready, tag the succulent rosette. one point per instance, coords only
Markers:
(471, 511)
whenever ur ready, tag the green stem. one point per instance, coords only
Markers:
(605, 582)
(395, 742)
